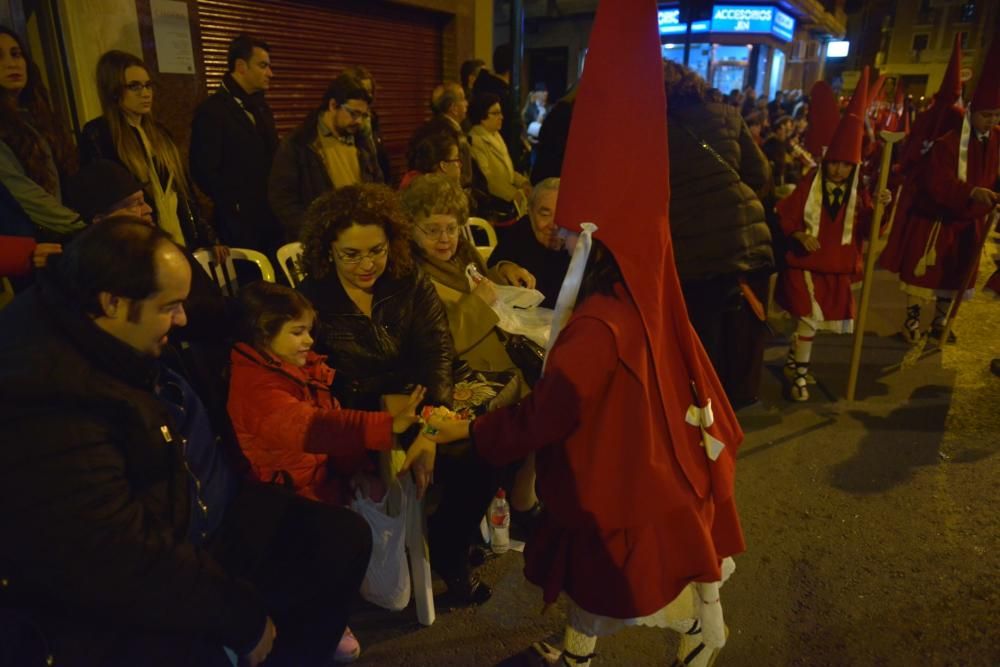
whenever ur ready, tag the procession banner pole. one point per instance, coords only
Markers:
(874, 243)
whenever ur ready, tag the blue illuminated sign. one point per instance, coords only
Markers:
(760, 19)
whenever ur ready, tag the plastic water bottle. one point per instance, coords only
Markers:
(500, 523)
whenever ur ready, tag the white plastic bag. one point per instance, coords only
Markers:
(387, 581)
(517, 309)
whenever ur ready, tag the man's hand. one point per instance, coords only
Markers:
(807, 241)
(512, 274)
(984, 196)
(404, 416)
(41, 254)
(263, 648)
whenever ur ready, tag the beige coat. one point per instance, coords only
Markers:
(490, 153)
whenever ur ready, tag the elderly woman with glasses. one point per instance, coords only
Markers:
(383, 327)
(490, 154)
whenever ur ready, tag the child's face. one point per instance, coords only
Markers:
(293, 342)
(837, 172)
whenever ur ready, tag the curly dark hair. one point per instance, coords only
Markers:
(265, 308)
(479, 107)
(27, 139)
(365, 204)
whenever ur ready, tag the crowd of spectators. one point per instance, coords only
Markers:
(202, 448)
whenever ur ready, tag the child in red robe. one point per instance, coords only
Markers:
(824, 218)
(635, 440)
(951, 210)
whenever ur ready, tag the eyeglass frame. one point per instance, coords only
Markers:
(356, 114)
(442, 230)
(374, 255)
(138, 86)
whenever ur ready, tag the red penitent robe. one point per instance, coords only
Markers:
(817, 285)
(945, 227)
(632, 514)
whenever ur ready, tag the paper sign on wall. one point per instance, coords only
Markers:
(172, 34)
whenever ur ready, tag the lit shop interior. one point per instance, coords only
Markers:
(735, 47)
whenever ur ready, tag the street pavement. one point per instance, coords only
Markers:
(872, 536)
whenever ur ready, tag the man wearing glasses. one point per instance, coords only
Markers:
(322, 155)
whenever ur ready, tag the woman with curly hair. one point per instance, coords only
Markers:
(36, 153)
(127, 133)
(383, 327)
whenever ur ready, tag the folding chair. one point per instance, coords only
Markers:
(288, 259)
(491, 236)
(225, 275)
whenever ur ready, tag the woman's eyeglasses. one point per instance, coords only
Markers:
(450, 231)
(139, 86)
(355, 257)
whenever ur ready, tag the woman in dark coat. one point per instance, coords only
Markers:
(383, 327)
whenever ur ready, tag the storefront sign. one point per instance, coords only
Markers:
(759, 19)
(670, 23)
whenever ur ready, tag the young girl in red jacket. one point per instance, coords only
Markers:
(289, 425)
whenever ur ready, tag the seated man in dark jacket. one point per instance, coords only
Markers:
(139, 539)
(532, 243)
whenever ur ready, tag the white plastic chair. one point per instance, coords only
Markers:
(491, 236)
(288, 259)
(225, 275)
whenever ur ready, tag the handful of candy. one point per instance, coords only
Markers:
(437, 412)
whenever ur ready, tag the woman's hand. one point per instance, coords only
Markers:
(885, 197)
(420, 459)
(807, 241)
(512, 274)
(41, 254)
(405, 415)
(485, 291)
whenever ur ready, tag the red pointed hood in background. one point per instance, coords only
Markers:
(846, 143)
(987, 94)
(898, 120)
(950, 89)
(823, 118)
(620, 181)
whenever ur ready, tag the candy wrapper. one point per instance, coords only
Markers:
(439, 412)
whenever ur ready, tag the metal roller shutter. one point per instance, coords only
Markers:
(312, 42)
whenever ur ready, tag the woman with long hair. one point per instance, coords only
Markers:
(127, 133)
(36, 153)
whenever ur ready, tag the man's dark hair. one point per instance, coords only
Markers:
(343, 88)
(241, 48)
(503, 59)
(116, 256)
(468, 67)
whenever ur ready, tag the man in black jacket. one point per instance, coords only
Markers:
(233, 140)
(135, 536)
(322, 154)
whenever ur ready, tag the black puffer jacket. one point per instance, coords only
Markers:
(716, 217)
(405, 342)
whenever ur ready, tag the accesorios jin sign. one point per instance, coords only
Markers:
(760, 19)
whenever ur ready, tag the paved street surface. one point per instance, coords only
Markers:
(871, 527)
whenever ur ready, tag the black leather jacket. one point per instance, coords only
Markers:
(405, 342)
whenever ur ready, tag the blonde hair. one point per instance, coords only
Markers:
(110, 88)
